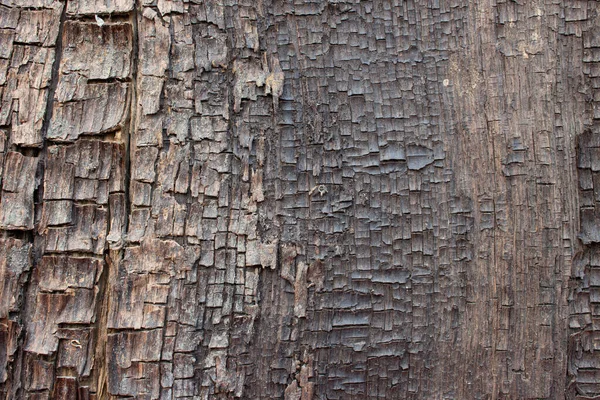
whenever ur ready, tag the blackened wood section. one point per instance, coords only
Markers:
(584, 310)
(299, 199)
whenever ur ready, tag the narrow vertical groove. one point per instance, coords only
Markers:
(114, 257)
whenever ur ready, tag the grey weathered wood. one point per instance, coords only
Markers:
(299, 199)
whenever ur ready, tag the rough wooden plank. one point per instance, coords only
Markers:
(81, 53)
(15, 262)
(86, 7)
(299, 200)
(28, 81)
(100, 105)
(103, 105)
(9, 333)
(16, 204)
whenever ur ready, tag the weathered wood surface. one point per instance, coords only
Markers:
(299, 199)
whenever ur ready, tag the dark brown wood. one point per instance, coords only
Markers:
(299, 199)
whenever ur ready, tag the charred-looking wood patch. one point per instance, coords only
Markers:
(299, 199)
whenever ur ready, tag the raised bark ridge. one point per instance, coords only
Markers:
(299, 199)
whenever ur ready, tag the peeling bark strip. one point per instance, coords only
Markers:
(299, 199)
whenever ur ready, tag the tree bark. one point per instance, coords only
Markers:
(299, 199)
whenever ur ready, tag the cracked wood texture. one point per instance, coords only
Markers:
(299, 199)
